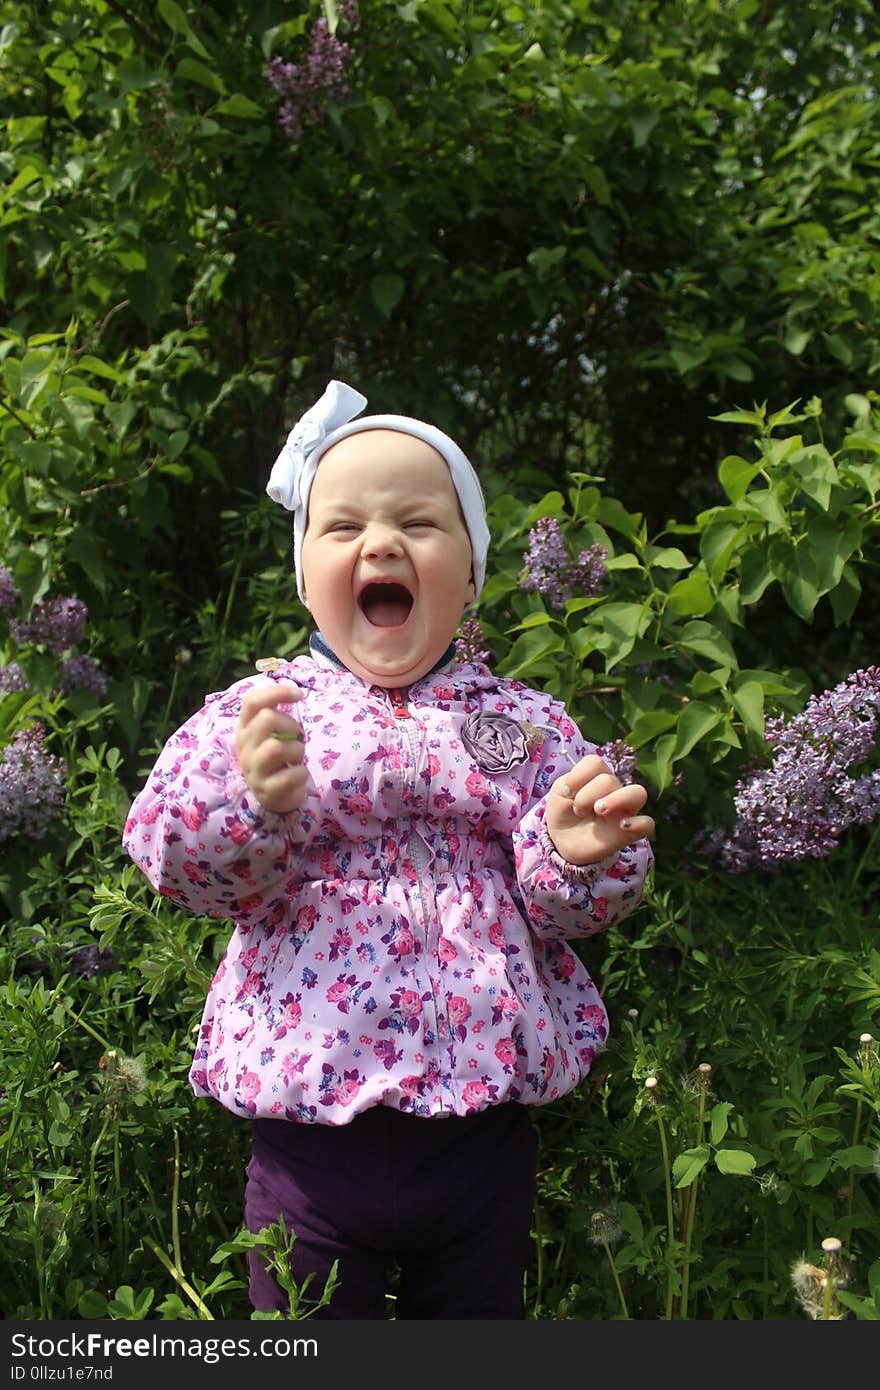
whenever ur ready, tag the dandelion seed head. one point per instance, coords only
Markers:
(808, 1282)
(122, 1078)
(605, 1226)
(768, 1183)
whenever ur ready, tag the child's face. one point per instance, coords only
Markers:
(386, 556)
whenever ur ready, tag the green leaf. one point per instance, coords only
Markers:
(648, 725)
(735, 1161)
(860, 1156)
(625, 561)
(845, 597)
(705, 639)
(613, 629)
(87, 550)
(766, 504)
(612, 513)
(529, 648)
(195, 71)
(735, 475)
(176, 20)
(816, 473)
(796, 339)
(719, 1117)
(687, 1166)
(691, 595)
(795, 569)
(59, 1135)
(815, 1171)
(239, 105)
(667, 557)
(656, 763)
(387, 291)
(694, 723)
(741, 417)
(737, 369)
(748, 701)
(539, 619)
(642, 121)
(88, 363)
(831, 546)
(717, 545)
(755, 574)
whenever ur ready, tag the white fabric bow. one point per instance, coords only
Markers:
(338, 405)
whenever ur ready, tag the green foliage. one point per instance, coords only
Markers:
(577, 237)
(671, 656)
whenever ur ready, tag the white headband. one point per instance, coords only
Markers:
(332, 419)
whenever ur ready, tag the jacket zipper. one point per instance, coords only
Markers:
(416, 846)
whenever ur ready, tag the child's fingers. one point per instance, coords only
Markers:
(637, 827)
(268, 696)
(578, 776)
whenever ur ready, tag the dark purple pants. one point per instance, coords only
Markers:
(448, 1200)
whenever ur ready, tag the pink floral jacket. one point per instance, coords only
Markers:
(401, 939)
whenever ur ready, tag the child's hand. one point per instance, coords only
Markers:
(591, 815)
(269, 747)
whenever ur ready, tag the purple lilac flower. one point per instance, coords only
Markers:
(800, 806)
(551, 573)
(81, 672)
(13, 678)
(56, 622)
(32, 784)
(620, 758)
(469, 643)
(8, 591)
(304, 87)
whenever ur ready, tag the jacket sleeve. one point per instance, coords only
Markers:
(563, 900)
(196, 830)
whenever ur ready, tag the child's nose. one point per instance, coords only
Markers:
(382, 539)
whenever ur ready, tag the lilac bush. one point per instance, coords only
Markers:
(550, 572)
(55, 623)
(13, 678)
(80, 672)
(305, 87)
(8, 591)
(470, 643)
(32, 785)
(817, 787)
(620, 758)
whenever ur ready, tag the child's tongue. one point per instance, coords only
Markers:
(386, 605)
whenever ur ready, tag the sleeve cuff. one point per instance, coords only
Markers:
(574, 873)
(242, 801)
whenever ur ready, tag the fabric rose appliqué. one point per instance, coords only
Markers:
(496, 742)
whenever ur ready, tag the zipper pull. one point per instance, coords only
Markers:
(398, 704)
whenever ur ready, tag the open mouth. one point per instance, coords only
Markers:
(386, 605)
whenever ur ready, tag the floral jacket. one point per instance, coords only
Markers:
(401, 939)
